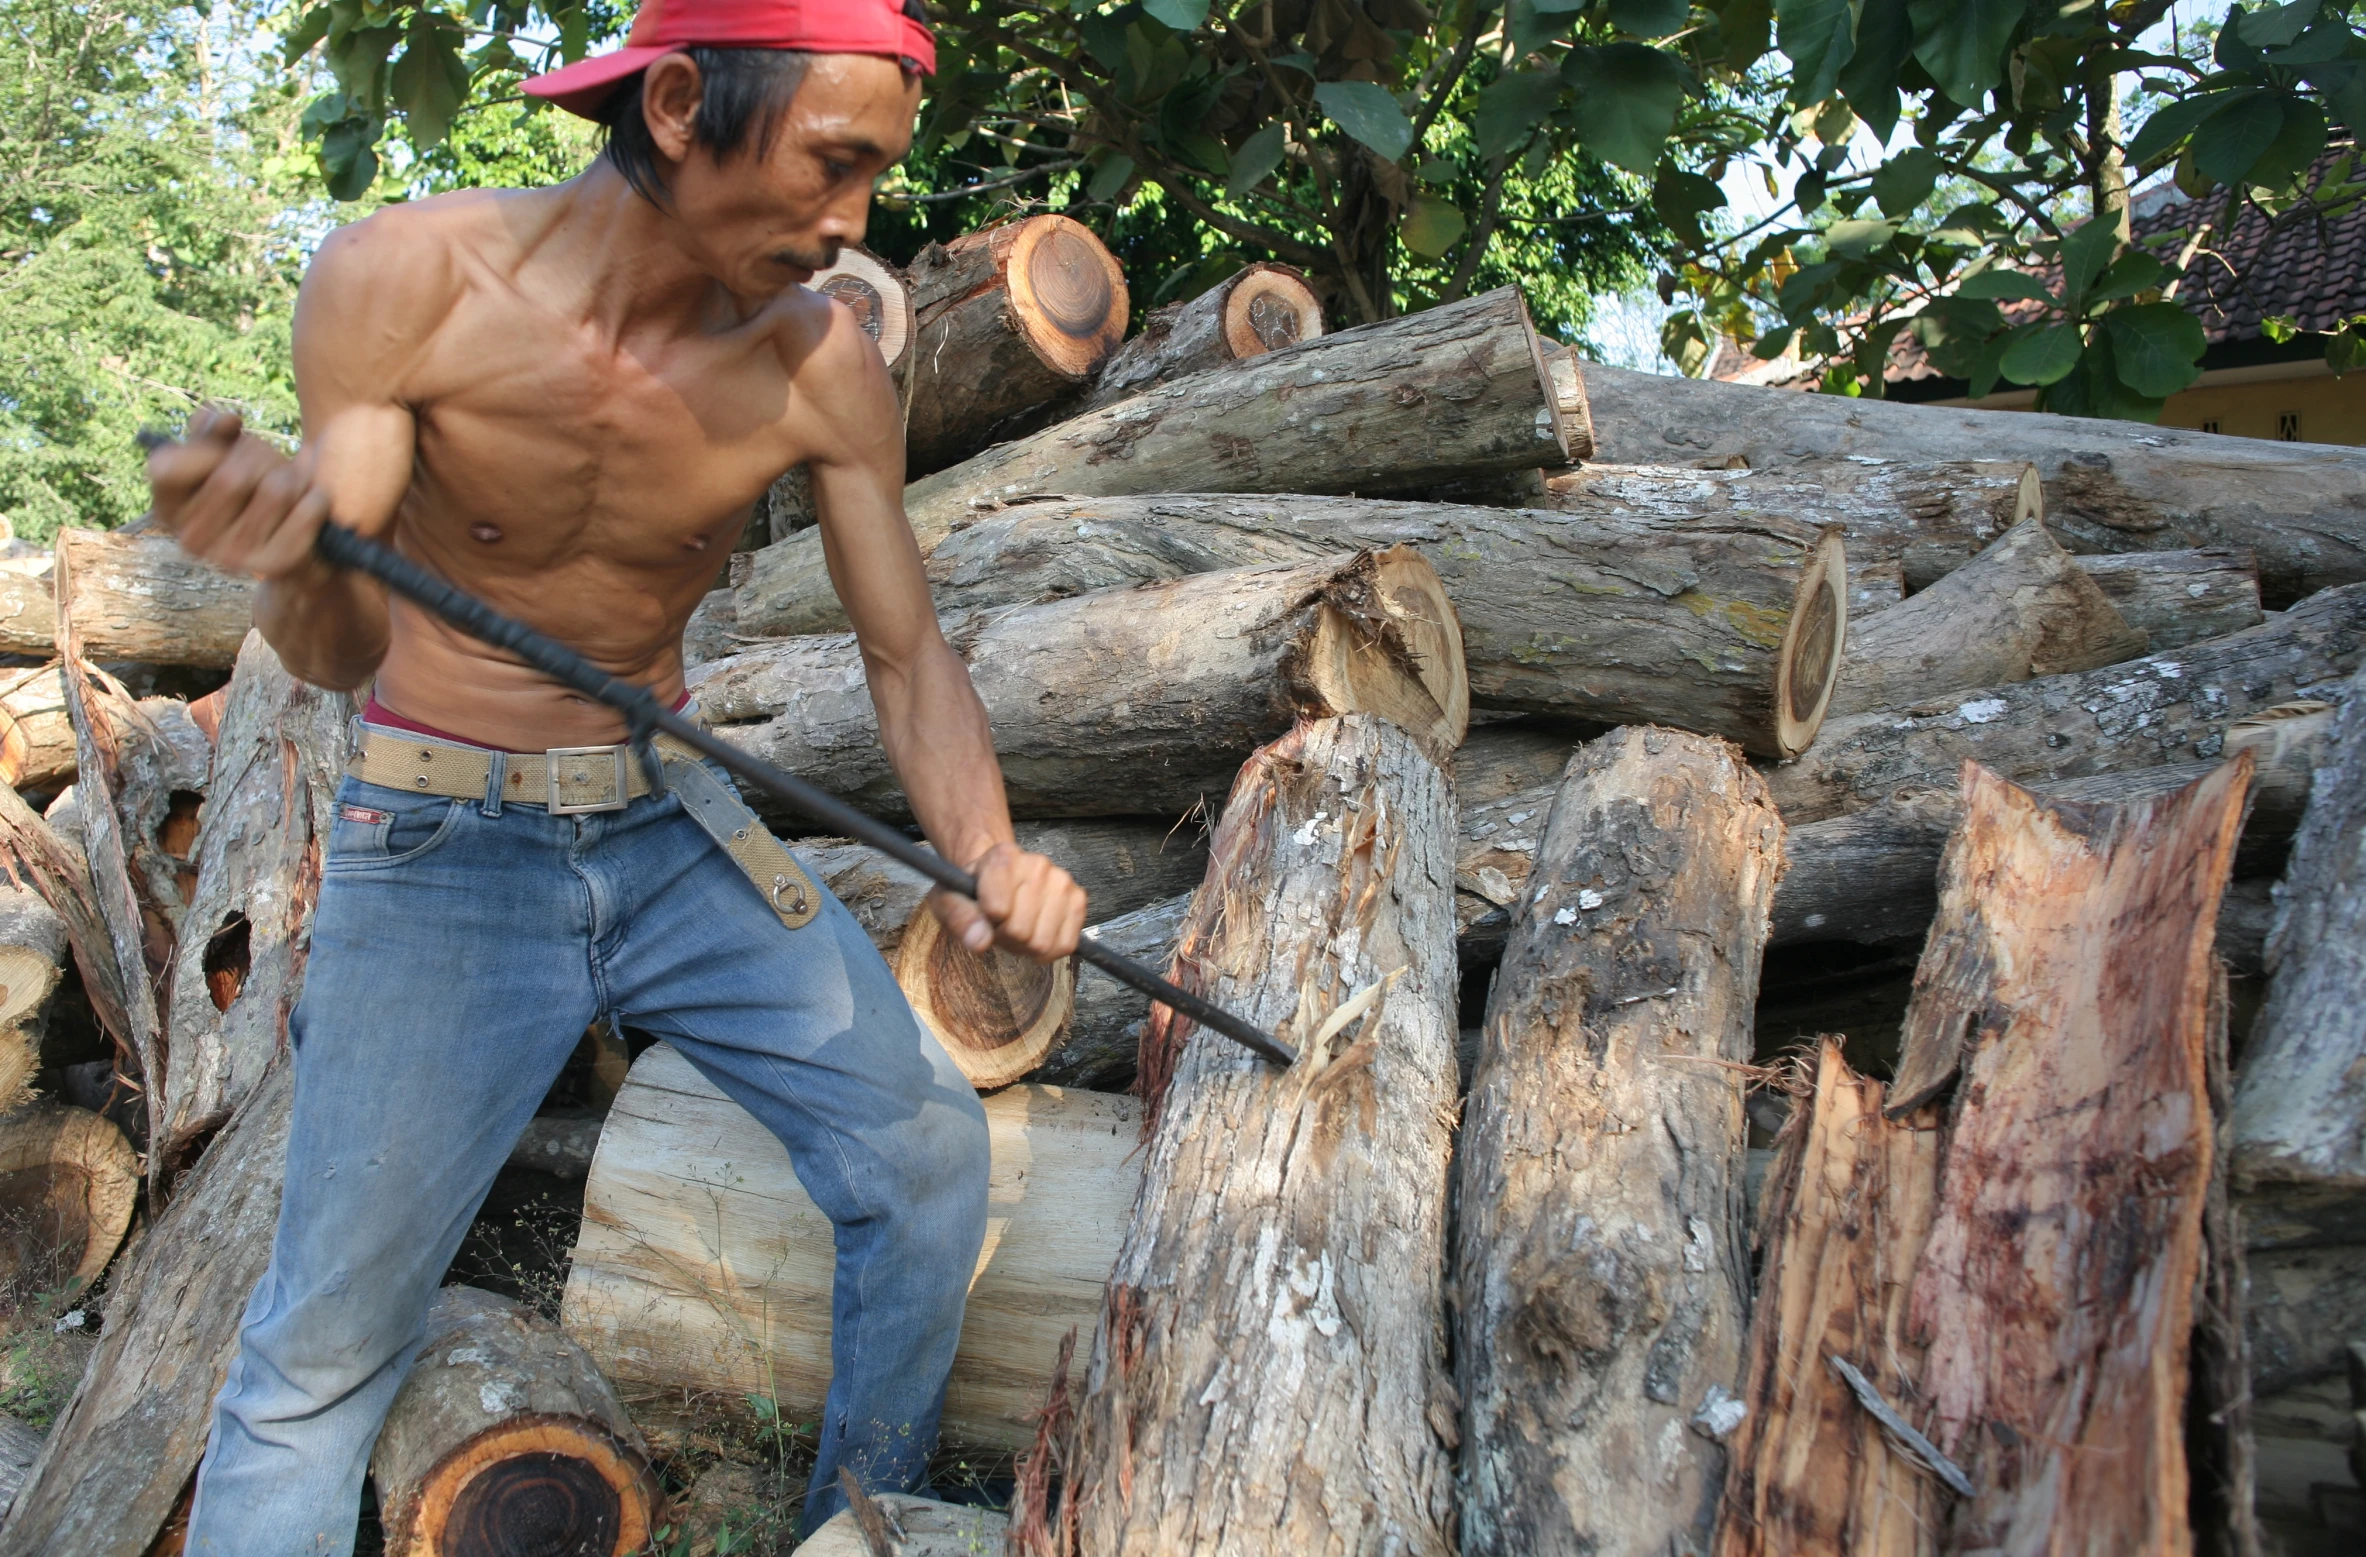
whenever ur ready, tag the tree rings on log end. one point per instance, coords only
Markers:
(998, 1015)
(1067, 293)
(537, 1484)
(1269, 307)
(68, 1182)
(1815, 641)
(882, 305)
(1389, 643)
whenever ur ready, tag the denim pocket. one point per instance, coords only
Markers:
(379, 826)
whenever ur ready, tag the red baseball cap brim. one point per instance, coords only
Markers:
(665, 27)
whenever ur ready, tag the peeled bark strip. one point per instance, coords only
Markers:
(36, 734)
(140, 597)
(1454, 391)
(1264, 307)
(33, 951)
(1101, 1047)
(1007, 321)
(68, 1185)
(2181, 597)
(2110, 486)
(704, 1270)
(1847, 1209)
(505, 1438)
(1602, 1279)
(997, 1015)
(1270, 1376)
(2021, 608)
(239, 965)
(1131, 701)
(2167, 707)
(1728, 628)
(123, 1450)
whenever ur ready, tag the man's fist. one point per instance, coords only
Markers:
(1025, 904)
(236, 501)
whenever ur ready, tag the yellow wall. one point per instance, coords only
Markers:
(2331, 410)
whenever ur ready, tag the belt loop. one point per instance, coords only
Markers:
(496, 776)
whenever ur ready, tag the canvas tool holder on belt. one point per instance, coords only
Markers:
(573, 780)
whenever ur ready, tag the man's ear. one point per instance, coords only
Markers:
(670, 92)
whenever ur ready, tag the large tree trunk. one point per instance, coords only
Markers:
(140, 597)
(1264, 307)
(1456, 391)
(36, 733)
(674, 1300)
(1270, 1374)
(1603, 1283)
(1008, 321)
(2181, 597)
(33, 951)
(1846, 1211)
(1732, 628)
(68, 1186)
(2110, 486)
(1130, 701)
(123, 1450)
(2170, 707)
(2069, 982)
(505, 1438)
(240, 967)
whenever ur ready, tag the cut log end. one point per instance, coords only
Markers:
(1394, 648)
(997, 1015)
(866, 284)
(1067, 293)
(536, 1484)
(1551, 419)
(68, 1183)
(1268, 308)
(1814, 643)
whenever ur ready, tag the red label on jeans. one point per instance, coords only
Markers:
(364, 815)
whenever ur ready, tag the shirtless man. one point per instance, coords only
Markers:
(566, 400)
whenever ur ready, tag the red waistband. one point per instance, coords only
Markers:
(379, 713)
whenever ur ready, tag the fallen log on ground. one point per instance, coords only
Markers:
(1130, 701)
(997, 1014)
(36, 734)
(28, 607)
(2181, 597)
(1102, 1043)
(1455, 391)
(1007, 322)
(505, 1438)
(239, 967)
(1263, 307)
(140, 597)
(1730, 628)
(922, 1527)
(2110, 486)
(674, 1300)
(68, 1186)
(2164, 708)
(33, 952)
(123, 1450)
(1603, 1285)
(1270, 1372)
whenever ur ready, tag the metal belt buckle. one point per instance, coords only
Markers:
(553, 758)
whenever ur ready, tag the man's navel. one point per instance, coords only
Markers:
(488, 533)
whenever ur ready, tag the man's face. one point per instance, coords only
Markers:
(768, 219)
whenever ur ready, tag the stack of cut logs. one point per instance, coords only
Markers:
(1570, 764)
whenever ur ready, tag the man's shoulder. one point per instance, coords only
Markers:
(397, 273)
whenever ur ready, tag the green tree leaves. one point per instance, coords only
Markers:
(1962, 42)
(1627, 99)
(1367, 112)
(1818, 36)
(2156, 347)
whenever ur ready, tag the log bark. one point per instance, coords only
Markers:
(1263, 307)
(28, 608)
(2021, 608)
(36, 734)
(1846, 1211)
(33, 952)
(2069, 982)
(53, 866)
(2222, 1452)
(671, 1296)
(68, 1186)
(123, 1450)
(2181, 597)
(2168, 707)
(1102, 1045)
(1008, 322)
(1455, 391)
(2110, 486)
(2300, 1105)
(20, 1446)
(140, 597)
(505, 1438)
(1270, 1374)
(1506, 757)
(997, 1015)
(239, 969)
(1729, 628)
(1130, 701)
(1602, 1278)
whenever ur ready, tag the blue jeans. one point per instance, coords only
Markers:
(459, 951)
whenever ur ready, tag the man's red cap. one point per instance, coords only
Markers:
(668, 26)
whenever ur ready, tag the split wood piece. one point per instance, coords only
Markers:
(928, 1529)
(239, 965)
(2300, 1106)
(1270, 1373)
(33, 950)
(36, 733)
(1454, 391)
(505, 1438)
(68, 1185)
(2068, 979)
(1264, 307)
(2023, 607)
(2181, 597)
(122, 1451)
(140, 597)
(1102, 1045)
(1007, 323)
(36, 855)
(28, 609)
(1569, 397)
(1602, 1278)
(2167, 707)
(1730, 628)
(997, 1015)
(1139, 701)
(674, 1302)
(2221, 1448)
(1846, 1210)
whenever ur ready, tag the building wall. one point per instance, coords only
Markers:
(2315, 409)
